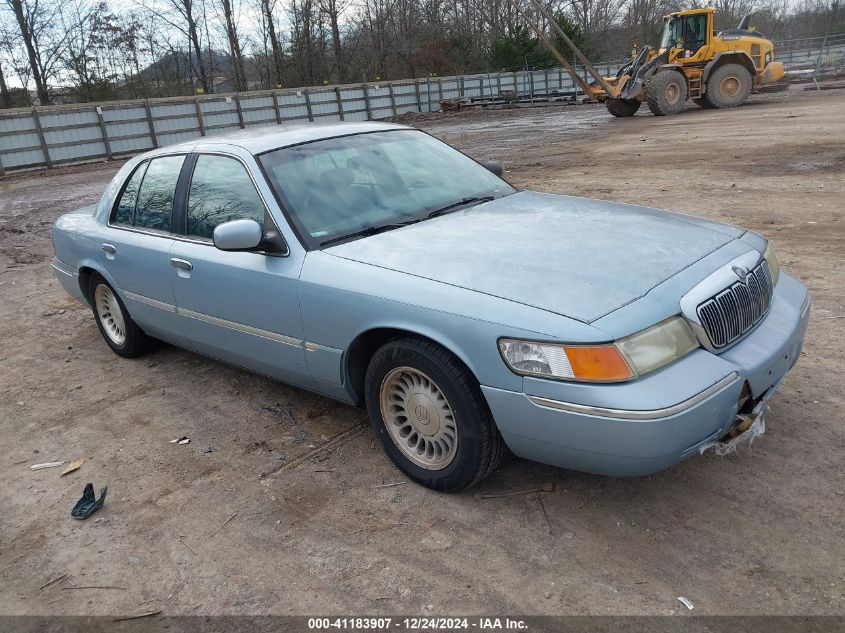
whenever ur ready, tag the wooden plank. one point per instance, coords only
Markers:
(44, 149)
(339, 104)
(240, 113)
(308, 105)
(276, 108)
(151, 124)
(367, 102)
(199, 116)
(392, 98)
(417, 92)
(99, 111)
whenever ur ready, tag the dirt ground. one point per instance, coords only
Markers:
(313, 533)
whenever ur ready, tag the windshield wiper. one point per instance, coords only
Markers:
(381, 228)
(460, 203)
(370, 230)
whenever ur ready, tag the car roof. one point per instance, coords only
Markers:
(264, 138)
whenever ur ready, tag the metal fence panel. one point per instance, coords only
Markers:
(31, 137)
(28, 158)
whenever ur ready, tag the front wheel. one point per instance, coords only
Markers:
(666, 93)
(119, 331)
(430, 415)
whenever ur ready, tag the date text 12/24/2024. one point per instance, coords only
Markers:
(416, 624)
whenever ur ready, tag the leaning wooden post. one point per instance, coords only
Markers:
(200, 122)
(45, 150)
(367, 102)
(103, 132)
(150, 123)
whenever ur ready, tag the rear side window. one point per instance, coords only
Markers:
(158, 188)
(221, 190)
(125, 210)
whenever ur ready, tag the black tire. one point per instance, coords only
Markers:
(134, 342)
(479, 447)
(703, 102)
(728, 86)
(623, 107)
(666, 93)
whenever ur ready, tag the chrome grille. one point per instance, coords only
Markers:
(727, 316)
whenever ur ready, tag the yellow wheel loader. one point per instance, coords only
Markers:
(716, 70)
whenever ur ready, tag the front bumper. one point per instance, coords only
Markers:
(649, 424)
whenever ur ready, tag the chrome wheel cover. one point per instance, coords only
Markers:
(110, 314)
(418, 418)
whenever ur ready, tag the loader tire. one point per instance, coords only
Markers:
(623, 107)
(728, 86)
(666, 93)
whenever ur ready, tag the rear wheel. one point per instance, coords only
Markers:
(622, 107)
(728, 86)
(117, 328)
(429, 413)
(666, 93)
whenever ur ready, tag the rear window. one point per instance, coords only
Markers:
(158, 188)
(147, 199)
(124, 213)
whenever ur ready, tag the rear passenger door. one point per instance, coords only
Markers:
(137, 250)
(241, 307)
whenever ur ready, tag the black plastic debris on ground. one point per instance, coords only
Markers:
(88, 505)
(284, 414)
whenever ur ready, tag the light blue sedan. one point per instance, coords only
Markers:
(376, 265)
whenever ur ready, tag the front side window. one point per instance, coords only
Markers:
(221, 190)
(125, 210)
(158, 189)
(340, 186)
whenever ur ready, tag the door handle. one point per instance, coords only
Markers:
(184, 264)
(109, 248)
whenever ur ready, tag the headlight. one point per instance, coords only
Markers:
(658, 345)
(774, 265)
(565, 362)
(625, 359)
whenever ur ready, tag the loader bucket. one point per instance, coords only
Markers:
(771, 73)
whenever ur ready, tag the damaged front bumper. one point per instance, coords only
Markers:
(647, 425)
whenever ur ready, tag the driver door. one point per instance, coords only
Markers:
(696, 38)
(240, 307)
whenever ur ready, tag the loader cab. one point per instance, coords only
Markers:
(689, 32)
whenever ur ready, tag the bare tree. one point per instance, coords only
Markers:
(5, 95)
(334, 10)
(268, 12)
(36, 20)
(184, 21)
(230, 21)
(305, 37)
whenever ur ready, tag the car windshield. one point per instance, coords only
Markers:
(349, 185)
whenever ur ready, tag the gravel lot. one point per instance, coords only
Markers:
(314, 533)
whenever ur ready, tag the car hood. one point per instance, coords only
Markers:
(577, 257)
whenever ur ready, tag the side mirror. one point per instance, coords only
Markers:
(237, 235)
(493, 166)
